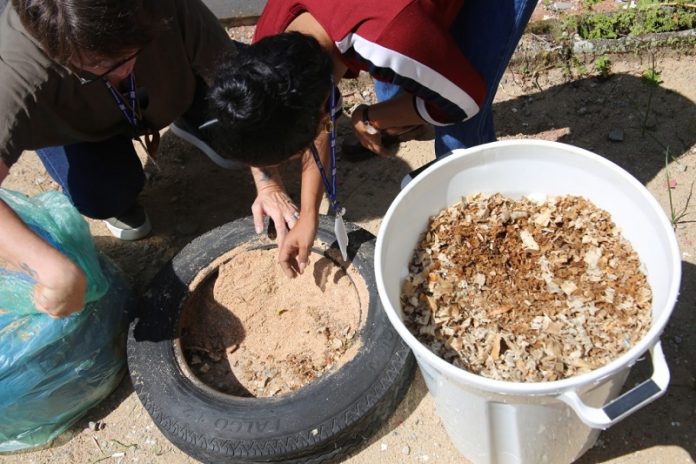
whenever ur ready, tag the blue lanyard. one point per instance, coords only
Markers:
(330, 186)
(132, 116)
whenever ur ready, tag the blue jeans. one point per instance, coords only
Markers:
(487, 32)
(102, 179)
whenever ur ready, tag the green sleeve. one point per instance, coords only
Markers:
(205, 39)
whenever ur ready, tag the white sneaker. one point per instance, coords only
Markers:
(132, 225)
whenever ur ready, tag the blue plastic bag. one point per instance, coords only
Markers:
(52, 371)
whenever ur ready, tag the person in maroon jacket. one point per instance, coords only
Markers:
(440, 62)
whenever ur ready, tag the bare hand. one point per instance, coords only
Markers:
(275, 203)
(293, 256)
(62, 292)
(372, 142)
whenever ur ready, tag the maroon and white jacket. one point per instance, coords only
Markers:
(405, 42)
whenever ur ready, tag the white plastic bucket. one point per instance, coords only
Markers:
(493, 421)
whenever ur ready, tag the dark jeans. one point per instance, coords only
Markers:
(487, 31)
(102, 179)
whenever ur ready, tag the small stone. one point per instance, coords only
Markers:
(93, 425)
(383, 447)
(406, 450)
(616, 135)
(204, 368)
(561, 6)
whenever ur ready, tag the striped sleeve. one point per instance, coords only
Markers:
(417, 53)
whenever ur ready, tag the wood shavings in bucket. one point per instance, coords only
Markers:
(248, 330)
(526, 291)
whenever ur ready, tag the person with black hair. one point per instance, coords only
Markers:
(81, 80)
(442, 61)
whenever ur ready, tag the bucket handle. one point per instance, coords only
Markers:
(629, 402)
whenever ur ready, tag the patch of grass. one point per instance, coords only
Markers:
(646, 18)
(588, 4)
(594, 26)
(569, 26)
(581, 69)
(602, 66)
(530, 68)
(652, 76)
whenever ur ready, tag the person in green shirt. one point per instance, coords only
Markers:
(82, 80)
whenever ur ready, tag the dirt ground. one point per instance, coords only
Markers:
(621, 118)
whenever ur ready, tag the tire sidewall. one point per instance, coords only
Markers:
(211, 425)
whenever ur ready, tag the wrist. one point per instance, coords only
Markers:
(265, 176)
(365, 119)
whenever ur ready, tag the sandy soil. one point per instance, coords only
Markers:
(622, 119)
(249, 331)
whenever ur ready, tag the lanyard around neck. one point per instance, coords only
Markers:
(150, 137)
(130, 113)
(329, 184)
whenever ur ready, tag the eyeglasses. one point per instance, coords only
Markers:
(86, 77)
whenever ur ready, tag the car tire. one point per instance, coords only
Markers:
(323, 421)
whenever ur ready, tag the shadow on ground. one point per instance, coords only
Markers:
(649, 120)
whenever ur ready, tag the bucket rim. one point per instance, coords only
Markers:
(505, 387)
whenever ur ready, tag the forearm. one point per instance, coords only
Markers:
(19, 246)
(396, 112)
(312, 184)
(267, 177)
(23, 249)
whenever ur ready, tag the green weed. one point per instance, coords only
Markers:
(653, 78)
(602, 66)
(677, 217)
(648, 17)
